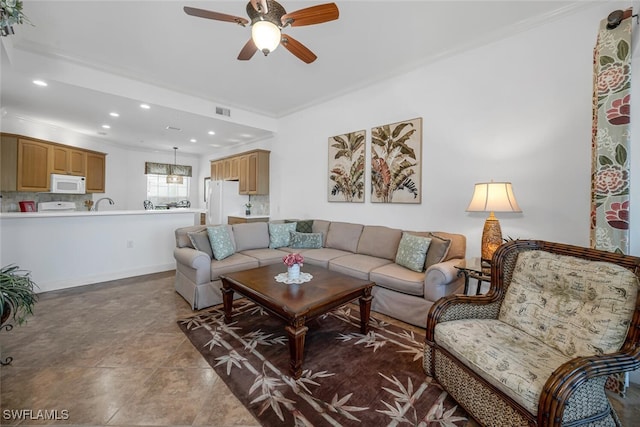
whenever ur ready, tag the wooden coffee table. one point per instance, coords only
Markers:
(296, 304)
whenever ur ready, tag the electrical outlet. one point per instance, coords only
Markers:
(129, 244)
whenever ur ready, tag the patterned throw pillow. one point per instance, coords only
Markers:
(412, 251)
(303, 226)
(305, 240)
(200, 241)
(221, 243)
(279, 234)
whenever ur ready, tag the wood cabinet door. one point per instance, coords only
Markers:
(33, 165)
(252, 174)
(243, 169)
(77, 163)
(234, 173)
(95, 173)
(59, 159)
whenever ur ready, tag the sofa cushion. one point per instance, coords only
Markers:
(182, 237)
(381, 242)
(551, 297)
(510, 359)
(357, 265)
(200, 241)
(321, 226)
(251, 235)
(267, 256)
(438, 250)
(322, 256)
(221, 242)
(236, 262)
(412, 251)
(397, 278)
(305, 240)
(279, 234)
(458, 247)
(344, 236)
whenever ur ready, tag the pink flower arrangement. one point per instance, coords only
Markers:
(292, 259)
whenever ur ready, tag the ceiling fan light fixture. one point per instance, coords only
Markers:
(266, 36)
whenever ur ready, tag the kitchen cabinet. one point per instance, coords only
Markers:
(68, 161)
(231, 169)
(96, 163)
(255, 177)
(8, 163)
(231, 220)
(33, 165)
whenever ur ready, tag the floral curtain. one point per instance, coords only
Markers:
(610, 145)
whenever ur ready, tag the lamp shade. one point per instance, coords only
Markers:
(266, 36)
(493, 197)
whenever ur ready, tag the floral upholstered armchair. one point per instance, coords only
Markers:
(538, 347)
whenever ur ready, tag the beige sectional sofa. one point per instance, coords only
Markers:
(362, 251)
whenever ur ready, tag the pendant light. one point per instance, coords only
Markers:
(172, 178)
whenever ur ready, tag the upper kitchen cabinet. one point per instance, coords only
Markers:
(33, 165)
(69, 161)
(254, 173)
(231, 169)
(8, 163)
(96, 166)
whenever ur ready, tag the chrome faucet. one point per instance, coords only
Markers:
(95, 206)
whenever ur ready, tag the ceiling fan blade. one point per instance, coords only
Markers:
(298, 49)
(311, 15)
(201, 13)
(247, 51)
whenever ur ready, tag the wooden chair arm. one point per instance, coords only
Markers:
(566, 380)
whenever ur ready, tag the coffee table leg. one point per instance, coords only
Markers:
(296, 332)
(365, 310)
(227, 301)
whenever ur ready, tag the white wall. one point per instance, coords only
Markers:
(517, 110)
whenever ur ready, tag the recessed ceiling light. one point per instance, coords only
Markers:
(211, 132)
(106, 127)
(145, 106)
(193, 140)
(40, 83)
(114, 114)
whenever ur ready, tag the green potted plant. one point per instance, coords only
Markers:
(17, 294)
(247, 208)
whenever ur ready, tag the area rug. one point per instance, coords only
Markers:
(348, 378)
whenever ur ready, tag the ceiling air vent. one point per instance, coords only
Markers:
(223, 111)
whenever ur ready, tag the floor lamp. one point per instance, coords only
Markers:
(492, 197)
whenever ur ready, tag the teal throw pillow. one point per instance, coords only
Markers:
(412, 251)
(200, 241)
(279, 234)
(221, 243)
(305, 240)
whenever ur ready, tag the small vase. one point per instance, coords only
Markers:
(247, 212)
(293, 272)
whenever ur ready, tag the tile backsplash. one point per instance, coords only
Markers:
(10, 199)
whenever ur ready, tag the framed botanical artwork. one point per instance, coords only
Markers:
(396, 166)
(346, 167)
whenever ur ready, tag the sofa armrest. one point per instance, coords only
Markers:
(192, 258)
(441, 280)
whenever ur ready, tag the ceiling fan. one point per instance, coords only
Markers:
(268, 18)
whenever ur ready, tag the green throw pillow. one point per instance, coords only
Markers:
(412, 251)
(200, 241)
(305, 240)
(303, 226)
(221, 243)
(279, 234)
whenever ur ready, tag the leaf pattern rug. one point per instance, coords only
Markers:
(348, 378)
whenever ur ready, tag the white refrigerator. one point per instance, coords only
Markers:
(223, 200)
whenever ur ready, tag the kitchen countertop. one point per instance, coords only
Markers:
(99, 213)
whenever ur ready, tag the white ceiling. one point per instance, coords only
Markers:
(103, 56)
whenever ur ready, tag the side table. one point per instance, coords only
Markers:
(474, 268)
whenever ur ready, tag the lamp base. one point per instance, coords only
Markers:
(491, 238)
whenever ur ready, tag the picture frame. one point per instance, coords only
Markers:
(207, 184)
(396, 162)
(346, 173)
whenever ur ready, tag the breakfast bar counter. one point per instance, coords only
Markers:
(68, 249)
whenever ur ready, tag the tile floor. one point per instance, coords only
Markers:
(112, 354)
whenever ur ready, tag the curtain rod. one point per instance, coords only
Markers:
(617, 16)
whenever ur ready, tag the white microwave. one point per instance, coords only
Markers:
(68, 184)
